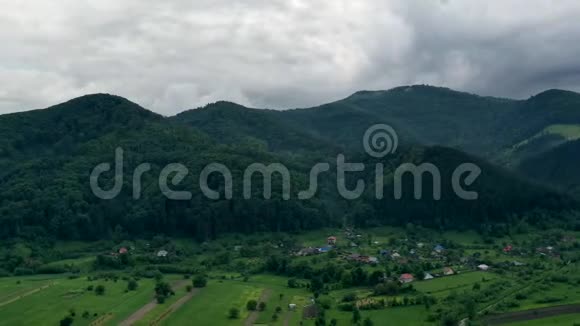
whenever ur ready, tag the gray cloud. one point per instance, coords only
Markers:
(170, 56)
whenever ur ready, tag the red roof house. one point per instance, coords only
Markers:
(406, 278)
(123, 250)
(507, 249)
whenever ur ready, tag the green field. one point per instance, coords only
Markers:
(211, 305)
(49, 305)
(453, 282)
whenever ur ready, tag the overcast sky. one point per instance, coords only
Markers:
(174, 55)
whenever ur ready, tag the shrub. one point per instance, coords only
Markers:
(100, 290)
(234, 313)
(262, 306)
(199, 281)
(251, 305)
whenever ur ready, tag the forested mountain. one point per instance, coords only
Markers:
(46, 157)
(503, 131)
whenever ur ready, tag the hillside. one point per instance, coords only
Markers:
(506, 132)
(48, 155)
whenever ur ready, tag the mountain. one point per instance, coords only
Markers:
(47, 157)
(507, 132)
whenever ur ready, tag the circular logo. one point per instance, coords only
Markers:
(380, 140)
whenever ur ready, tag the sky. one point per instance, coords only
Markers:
(169, 56)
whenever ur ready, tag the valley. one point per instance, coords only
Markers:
(329, 275)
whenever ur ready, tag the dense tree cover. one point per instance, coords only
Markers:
(46, 157)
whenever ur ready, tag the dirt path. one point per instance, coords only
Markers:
(254, 314)
(532, 314)
(139, 314)
(287, 318)
(26, 294)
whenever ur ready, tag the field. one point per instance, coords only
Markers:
(239, 269)
(56, 297)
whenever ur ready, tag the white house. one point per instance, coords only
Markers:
(483, 267)
(162, 253)
(428, 276)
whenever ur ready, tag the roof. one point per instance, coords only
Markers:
(406, 276)
(332, 237)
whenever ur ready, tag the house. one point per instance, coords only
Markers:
(517, 263)
(308, 251)
(162, 253)
(395, 255)
(420, 245)
(439, 249)
(406, 278)
(354, 256)
(448, 271)
(508, 249)
(373, 260)
(428, 276)
(237, 248)
(123, 250)
(292, 306)
(324, 249)
(483, 267)
(384, 252)
(331, 240)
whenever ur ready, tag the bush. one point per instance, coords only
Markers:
(188, 288)
(100, 290)
(19, 271)
(234, 313)
(521, 296)
(132, 285)
(349, 297)
(199, 281)
(251, 305)
(262, 306)
(346, 307)
(66, 321)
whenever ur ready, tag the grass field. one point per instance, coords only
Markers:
(47, 306)
(211, 305)
(457, 281)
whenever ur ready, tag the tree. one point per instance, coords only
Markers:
(333, 322)
(262, 306)
(199, 281)
(188, 288)
(66, 321)
(356, 315)
(100, 289)
(162, 291)
(368, 322)
(234, 313)
(251, 305)
(292, 283)
(132, 285)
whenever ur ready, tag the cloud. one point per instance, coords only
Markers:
(171, 56)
